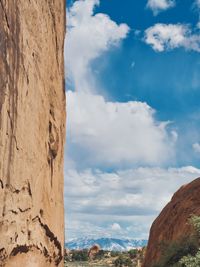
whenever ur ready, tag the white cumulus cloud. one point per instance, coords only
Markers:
(102, 132)
(113, 133)
(88, 37)
(160, 5)
(115, 227)
(170, 36)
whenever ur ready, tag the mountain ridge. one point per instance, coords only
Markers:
(111, 244)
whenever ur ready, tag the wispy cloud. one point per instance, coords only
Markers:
(110, 200)
(196, 147)
(197, 2)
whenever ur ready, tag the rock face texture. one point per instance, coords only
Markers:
(172, 224)
(32, 132)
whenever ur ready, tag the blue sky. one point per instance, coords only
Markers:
(133, 90)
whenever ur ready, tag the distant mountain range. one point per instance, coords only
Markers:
(111, 244)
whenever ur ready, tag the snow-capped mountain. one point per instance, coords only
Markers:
(111, 244)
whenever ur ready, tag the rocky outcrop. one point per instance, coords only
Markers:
(32, 132)
(94, 250)
(172, 224)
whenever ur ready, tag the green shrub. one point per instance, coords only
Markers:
(173, 253)
(80, 255)
(185, 252)
(123, 261)
(133, 253)
(115, 253)
(100, 255)
(195, 222)
(193, 260)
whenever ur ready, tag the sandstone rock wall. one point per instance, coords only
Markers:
(173, 222)
(32, 132)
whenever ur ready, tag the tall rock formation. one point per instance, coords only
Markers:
(173, 222)
(32, 132)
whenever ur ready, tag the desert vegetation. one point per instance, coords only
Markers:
(184, 252)
(131, 258)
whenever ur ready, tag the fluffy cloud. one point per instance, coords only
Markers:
(128, 197)
(170, 36)
(196, 147)
(101, 132)
(104, 135)
(88, 37)
(113, 133)
(115, 227)
(160, 5)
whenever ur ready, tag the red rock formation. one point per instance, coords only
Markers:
(32, 132)
(172, 224)
(94, 250)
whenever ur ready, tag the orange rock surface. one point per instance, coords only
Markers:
(94, 250)
(172, 223)
(32, 132)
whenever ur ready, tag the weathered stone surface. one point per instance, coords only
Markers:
(173, 222)
(32, 132)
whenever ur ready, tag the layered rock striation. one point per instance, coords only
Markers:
(173, 222)
(32, 132)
